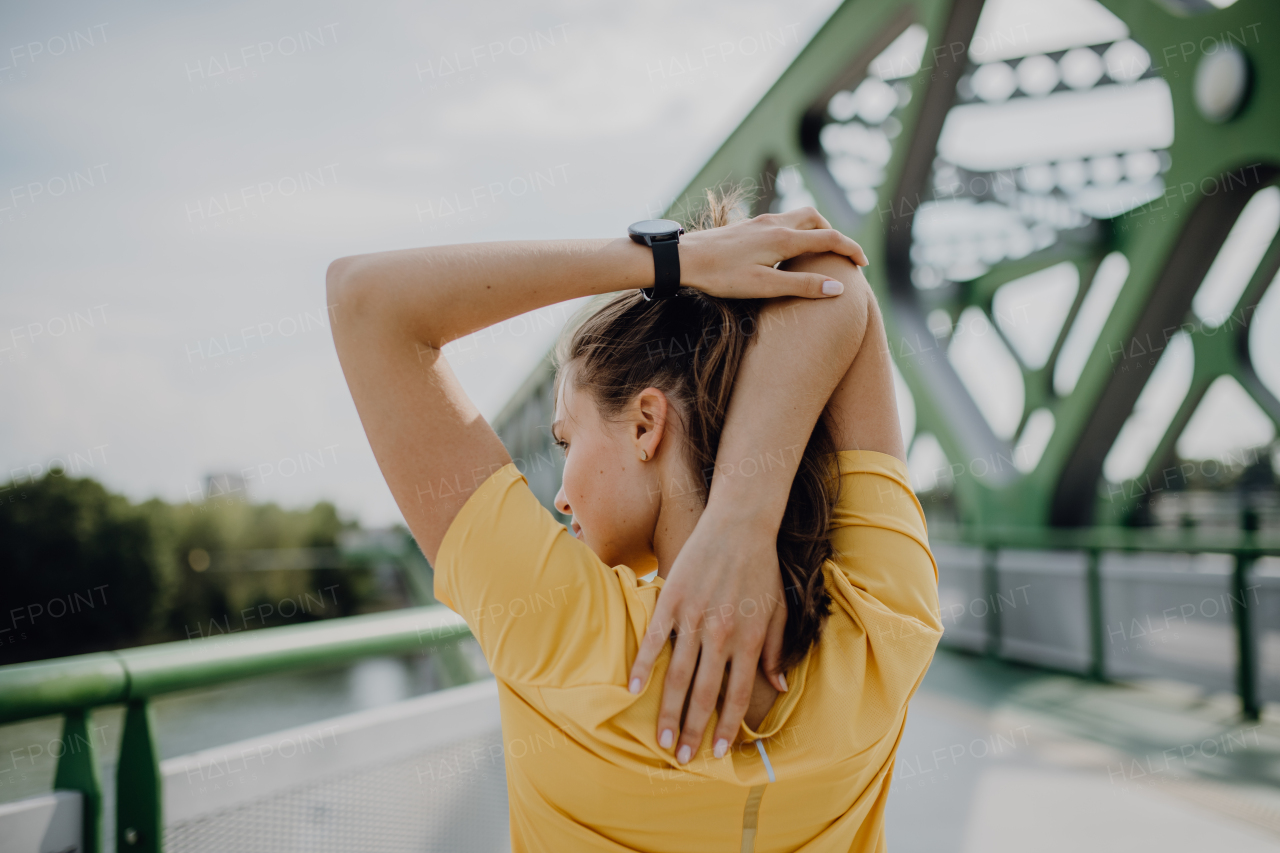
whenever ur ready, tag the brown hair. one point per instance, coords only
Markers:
(690, 347)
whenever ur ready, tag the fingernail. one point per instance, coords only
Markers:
(782, 678)
(683, 755)
(722, 746)
(635, 685)
(831, 287)
(665, 740)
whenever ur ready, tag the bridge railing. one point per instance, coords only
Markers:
(1046, 597)
(73, 686)
(1099, 600)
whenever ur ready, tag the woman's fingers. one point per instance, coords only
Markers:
(826, 240)
(803, 218)
(737, 261)
(706, 690)
(815, 234)
(684, 661)
(809, 285)
(737, 698)
(655, 637)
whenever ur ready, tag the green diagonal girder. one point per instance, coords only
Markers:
(1169, 243)
(1208, 157)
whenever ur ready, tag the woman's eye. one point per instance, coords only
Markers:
(564, 447)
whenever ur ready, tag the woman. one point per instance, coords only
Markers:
(738, 441)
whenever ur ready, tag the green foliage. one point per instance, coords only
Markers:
(211, 602)
(131, 574)
(82, 570)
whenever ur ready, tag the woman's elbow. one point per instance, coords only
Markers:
(856, 297)
(337, 277)
(858, 300)
(346, 291)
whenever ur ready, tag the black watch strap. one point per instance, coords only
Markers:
(666, 269)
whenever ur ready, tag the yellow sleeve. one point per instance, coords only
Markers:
(545, 609)
(879, 537)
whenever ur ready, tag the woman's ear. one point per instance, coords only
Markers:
(648, 422)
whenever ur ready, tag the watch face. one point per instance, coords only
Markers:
(655, 227)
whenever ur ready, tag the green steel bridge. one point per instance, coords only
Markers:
(1073, 245)
(1072, 248)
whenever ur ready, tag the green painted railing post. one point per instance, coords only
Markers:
(139, 823)
(1247, 652)
(991, 586)
(78, 771)
(1093, 588)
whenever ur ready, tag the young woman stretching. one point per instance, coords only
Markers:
(741, 439)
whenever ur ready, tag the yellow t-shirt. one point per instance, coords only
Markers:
(560, 630)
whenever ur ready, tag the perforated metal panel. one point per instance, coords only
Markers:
(423, 775)
(1169, 616)
(1042, 604)
(388, 808)
(962, 596)
(49, 823)
(1262, 594)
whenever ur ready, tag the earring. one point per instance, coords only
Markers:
(644, 456)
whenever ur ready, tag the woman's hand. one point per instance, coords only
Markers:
(737, 261)
(724, 599)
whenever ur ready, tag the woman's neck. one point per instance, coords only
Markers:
(677, 517)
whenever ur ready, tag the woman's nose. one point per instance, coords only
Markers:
(562, 503)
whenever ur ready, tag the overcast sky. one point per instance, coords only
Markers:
(175, 179)
(174, 182)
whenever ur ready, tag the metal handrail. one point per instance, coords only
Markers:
(1194, 540)
(1243, 546)
(73, 685)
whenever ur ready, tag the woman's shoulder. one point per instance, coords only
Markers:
(880, 539)
(872, 461)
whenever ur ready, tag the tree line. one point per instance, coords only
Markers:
(85, 570)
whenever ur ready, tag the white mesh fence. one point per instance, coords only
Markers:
(422, 775)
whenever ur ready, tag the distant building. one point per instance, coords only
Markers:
(226, 486)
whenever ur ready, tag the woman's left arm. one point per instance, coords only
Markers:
(787, 377)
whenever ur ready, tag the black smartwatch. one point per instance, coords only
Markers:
(663, 236)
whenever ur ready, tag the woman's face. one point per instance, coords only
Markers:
(611, 494)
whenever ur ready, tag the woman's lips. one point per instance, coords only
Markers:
(577, 530)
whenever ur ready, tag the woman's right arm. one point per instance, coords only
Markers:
(393, 311)
(802, 363)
